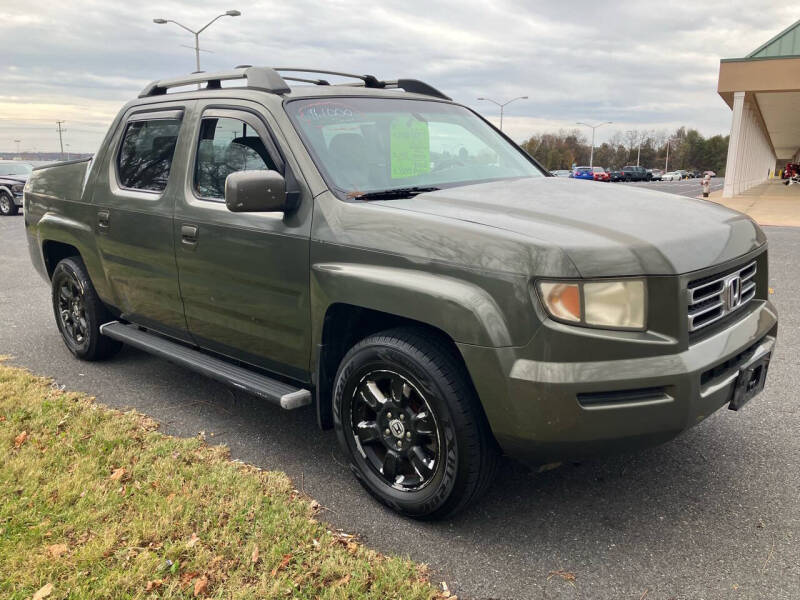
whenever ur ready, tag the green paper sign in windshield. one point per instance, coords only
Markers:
(410, 148)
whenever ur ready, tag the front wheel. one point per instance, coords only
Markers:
(406, 413)
(7, 206)
(79, 312)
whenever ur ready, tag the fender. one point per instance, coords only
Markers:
(466, 312)
(77, 232)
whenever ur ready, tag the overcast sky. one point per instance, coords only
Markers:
(640, 64)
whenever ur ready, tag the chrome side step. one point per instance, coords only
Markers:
(277, 392)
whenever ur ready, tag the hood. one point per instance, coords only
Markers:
(13, 179)
(605, 229)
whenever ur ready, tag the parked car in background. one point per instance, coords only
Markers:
(600, 174)
(583, 173)
(616, 175)
(561, 173)
(635, 173)
(13, 175)
(655, 174)
(672, 176)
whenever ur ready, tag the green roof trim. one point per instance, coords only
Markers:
(786, 43)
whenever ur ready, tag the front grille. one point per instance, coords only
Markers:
(715, 297)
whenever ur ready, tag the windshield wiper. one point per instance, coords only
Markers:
(396, 193)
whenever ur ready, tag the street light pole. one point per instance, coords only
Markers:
(593, 127)
(502, 105)
(196, 34)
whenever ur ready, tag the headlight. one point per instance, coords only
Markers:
(607, 304)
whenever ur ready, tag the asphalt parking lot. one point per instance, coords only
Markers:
(686, 187)
(714, 514)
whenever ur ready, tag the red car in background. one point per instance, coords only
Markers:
(600, 174)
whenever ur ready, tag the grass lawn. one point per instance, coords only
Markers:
(95, 503)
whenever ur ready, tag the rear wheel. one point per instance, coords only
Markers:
(7, 206)
(79, 312)
(408, 416)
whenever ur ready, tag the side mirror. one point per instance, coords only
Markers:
(255, 191)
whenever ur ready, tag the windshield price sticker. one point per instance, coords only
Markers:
(326, 113)
(410, 148)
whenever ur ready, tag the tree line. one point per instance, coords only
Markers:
(688, 149)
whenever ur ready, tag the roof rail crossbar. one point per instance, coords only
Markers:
(370, 81)
(260, 78)
(413, 86)
(304, 80)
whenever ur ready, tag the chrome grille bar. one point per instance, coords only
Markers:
(712, 298)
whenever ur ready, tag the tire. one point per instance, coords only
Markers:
(406, 413)
(7, 206)
(79, 312)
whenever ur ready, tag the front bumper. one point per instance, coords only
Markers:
(543, 411)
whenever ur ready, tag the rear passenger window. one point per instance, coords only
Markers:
(226, 146)
(145, 156)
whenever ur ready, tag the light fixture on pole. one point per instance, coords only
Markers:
(593, 127)
(196, 34)
(502, 105)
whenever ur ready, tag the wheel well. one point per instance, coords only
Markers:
(55, 252)
(343, 327)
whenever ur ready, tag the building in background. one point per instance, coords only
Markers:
(763, 90)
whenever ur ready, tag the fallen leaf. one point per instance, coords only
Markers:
(171, 497)
(352, 547)
(201, 586)
(192, 540)
(2, 418)
(43, 592)
(20, 439)
(254, 555)
(188, 577)
(565, 575)
(57, 550)
(153, 585)
(284, 563)
(117, 474)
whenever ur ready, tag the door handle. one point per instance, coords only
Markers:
(103, 219)
(189, 235)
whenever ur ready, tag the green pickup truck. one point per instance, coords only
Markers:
(385, 255)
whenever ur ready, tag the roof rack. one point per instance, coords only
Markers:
(259, 78)
(269, 79)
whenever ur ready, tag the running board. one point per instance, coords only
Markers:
(277, 392)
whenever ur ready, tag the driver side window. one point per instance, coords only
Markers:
(225, 146)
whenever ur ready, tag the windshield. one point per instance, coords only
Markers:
(15, 169)
(365, 145)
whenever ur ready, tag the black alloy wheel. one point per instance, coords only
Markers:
(79, 312)
(395, 430)
(408, 416)
(72, 311)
